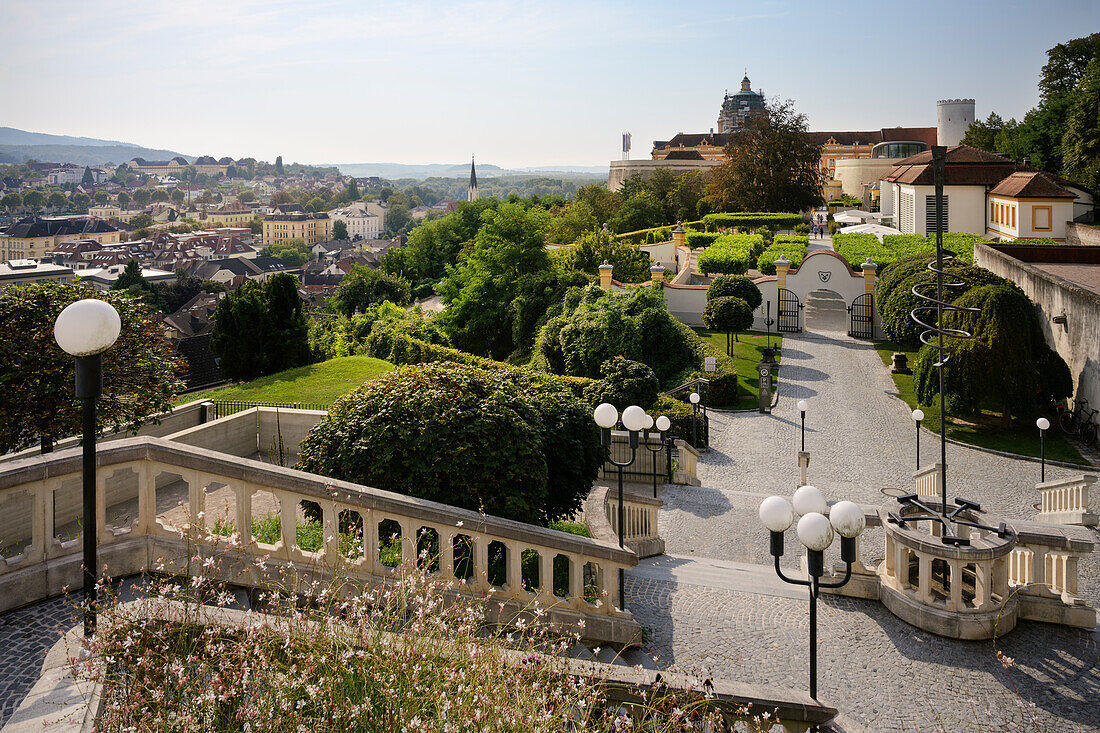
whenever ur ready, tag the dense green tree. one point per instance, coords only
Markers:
(141, 197)
(686, 200)
(80, 202)
(771, 165)
(34, 200)
(339, 229)
(101, 198)
(88, 179)
(436, 245)
(11, 201)
(571, 223)
(631, 265)
(159, 196)
(141, 221)
(983, 134)
(1005, 364)
(279, 166)
(1081, 140)
(293, 252)
(603, 203)
(727, 314)
(141, 375)
(185, 287)
(537, 297)
(261, 329)
(352, 190)
(1067, 64)
(178, 197)
(641, 211)
(58, 200)
(479, 289)
(123, 199)
(365, 286)
(246, 196)
(133, 281)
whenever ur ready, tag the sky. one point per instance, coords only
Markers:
(514, 83)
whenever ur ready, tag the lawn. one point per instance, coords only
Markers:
(984, 431)
(746, 355)
(320, 383)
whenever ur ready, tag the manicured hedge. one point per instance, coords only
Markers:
(793, 247)
(731, 254)
(701, 239)
(642, 236)
(752, 220)
(856, 247)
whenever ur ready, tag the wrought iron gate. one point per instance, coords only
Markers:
(862, 322)
(789, 319)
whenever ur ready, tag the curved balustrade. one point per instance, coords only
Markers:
(153, 492)
(1068, 501)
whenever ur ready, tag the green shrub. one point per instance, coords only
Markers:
(802, 228)
(596, 325)
(857, 247)
(700, 239)
(505, 443)
(731, 254)
(751, 220)
(727, 314)
(722, 391)
(793, 247)
(624, 383)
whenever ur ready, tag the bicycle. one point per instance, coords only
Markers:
(1079, 421)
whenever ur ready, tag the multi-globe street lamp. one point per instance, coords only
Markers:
(85, 329)
(663, 425)
(634, 419)
(815, 531)
(918, 416)
(1042, 423)
(802, 407)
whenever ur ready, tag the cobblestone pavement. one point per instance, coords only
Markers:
(25, 636)
(878, 670)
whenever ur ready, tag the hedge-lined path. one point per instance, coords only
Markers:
(713, 601)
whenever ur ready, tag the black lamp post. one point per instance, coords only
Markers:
(607, 417)
(694, 399)
(663, 425)
(1042, 423)
(86, 329)
(802, 407)
(918, 415)
(815, 531)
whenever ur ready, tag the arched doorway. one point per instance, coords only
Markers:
(826, 310)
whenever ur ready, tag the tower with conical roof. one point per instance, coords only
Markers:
(471, 192)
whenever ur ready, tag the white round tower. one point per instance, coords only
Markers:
(953, 116)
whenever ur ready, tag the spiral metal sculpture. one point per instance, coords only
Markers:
(932, 295)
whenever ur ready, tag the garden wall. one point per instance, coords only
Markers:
(1082, 235)
(1078, 341)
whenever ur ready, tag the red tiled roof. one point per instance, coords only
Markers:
(1030, 185)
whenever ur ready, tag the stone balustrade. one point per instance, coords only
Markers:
(928, 481)
(601, 510)
(1067, 501)
(688, 461)
(157, 497)
(1043, 570)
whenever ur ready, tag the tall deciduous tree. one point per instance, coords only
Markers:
(1081, 141)
(141, 197)
(141, 375)
(772, 165)
(728, 314)
(11, 201)
(260, 329)
(58, 200)
(339, 229)
(34, 200)
(363, 287)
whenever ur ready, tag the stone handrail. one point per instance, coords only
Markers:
(687, 470)
(928, 481)
(601, 511)
(1067, 501)
(151, 492)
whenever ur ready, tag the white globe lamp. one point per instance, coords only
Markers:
(809, 500)
(634, 418)
(663, 423)
(87, 327)
(606, 415)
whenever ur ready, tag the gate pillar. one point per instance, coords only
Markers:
(869, 269)
(781, 267)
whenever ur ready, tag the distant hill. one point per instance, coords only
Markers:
(460, 170)
(17, 146)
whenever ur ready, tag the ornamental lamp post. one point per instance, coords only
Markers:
(662, 424)
(815, 531)
(802, 407)
(606, 416)
(694, 398)
(85, 329)
(918, 415)
(1042, 423)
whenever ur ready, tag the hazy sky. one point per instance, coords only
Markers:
(515, 83)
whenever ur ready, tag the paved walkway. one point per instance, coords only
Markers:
(713, 602)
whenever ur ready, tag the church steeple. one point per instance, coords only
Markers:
(471, 192)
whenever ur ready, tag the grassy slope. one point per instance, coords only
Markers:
(985, 431)
(746, 355)
(320, 383)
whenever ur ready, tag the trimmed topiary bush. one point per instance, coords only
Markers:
(700, 239)
(505, 443)
(793, 247)
(727, 314)
(731, 254)
(735, 286)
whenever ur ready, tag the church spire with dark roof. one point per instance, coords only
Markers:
(471, 192)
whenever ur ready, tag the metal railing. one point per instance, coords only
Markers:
(225, 408)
